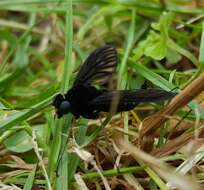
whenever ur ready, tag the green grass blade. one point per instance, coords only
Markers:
(90, 138)
(68, 66)
(201, 52)
(122, 75)
(29, 181)
(74, 159)
(113, 172)
(62, 179)
(151, 76)
(23, 115)
(182, 51)
(65, 123)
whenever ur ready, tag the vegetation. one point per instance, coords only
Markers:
(155, 146)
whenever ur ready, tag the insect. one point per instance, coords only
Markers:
(85, 100)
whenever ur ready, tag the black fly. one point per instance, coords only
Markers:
(83, 99)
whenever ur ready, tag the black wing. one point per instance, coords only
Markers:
(128, 99)
(99, 65)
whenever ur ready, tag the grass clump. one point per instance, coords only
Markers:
(155, 146)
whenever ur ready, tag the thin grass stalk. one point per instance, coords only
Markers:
(63, 124)
(201, 54)
(123, 74)
(62, 179)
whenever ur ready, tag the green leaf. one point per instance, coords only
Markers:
(172, 56)
(155, 46)
(138, 52)
(21, 141)
(164, 23)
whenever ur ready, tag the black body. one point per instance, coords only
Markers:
(83, 99)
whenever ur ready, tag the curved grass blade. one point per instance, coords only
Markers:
(151, 76)
(23, 115)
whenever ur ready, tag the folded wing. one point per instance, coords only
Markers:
(125, 100)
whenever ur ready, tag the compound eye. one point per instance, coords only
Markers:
(65, 107)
